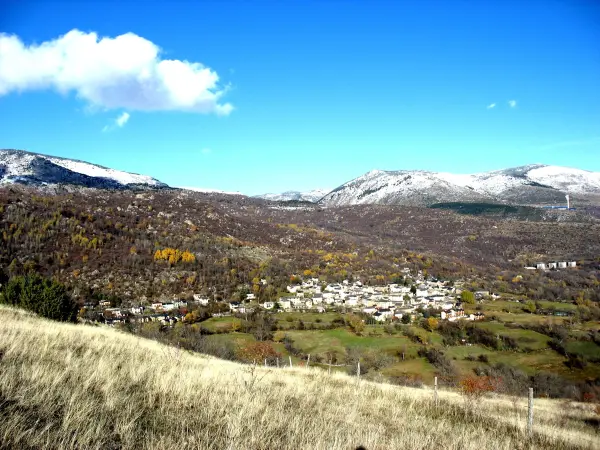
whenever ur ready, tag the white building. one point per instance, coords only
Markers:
(351, 301)
(201, 299)
(285, 303)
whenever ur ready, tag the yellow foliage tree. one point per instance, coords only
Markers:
(432, 323)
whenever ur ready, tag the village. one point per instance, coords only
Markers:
(377, 304)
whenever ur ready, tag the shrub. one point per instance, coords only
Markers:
(438, 359)
(43, 296)
(258, 352)
(370, 359)
(475, 387)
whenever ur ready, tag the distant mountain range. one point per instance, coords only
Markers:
(309, 196)
(18, 166)
(535, 184)
(526, 185)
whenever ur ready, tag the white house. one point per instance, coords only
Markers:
(379, 317)
(137, 310)
(541, 266)
(369, 310)
(351, 301)
(285, 303)
(297, 303)
(112, 312)
(387, 313)
(250, 297)
(268, 305)
(201, 299)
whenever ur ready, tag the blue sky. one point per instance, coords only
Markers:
(309, 94)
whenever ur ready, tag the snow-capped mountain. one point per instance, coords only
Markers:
(533, 184)
(310, 196)
(18, 166)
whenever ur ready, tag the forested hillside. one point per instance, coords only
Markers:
(148, 244)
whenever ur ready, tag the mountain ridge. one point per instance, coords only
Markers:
(312, 196)
(24, 167)
(530, 184)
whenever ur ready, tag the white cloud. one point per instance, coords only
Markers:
(121, 72)
(512, 103)
(122, 119)
(119, 122)
(491, 106)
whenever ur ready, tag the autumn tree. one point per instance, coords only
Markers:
(467, 297)
(430, 324)
(258, 352)
(356, 323)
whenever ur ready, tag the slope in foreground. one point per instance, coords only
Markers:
(74, 386)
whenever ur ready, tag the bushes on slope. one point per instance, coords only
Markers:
(43, 296)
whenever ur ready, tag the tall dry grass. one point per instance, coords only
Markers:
(75, 386)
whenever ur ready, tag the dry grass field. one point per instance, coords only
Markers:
(75, 386)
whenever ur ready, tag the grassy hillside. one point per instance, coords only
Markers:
(74, 386)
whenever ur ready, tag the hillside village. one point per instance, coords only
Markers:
(389, 302)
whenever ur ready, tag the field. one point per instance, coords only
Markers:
(75, 386)
(532, 354)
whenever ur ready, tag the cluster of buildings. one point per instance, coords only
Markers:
(167, 313)
(553, 265)
(382, 303)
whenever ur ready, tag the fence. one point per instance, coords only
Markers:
(436, 394)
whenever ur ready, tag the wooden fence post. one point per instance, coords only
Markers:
(308, 361)
(435, 391)
(291, 361)
(358, 370)
(265, 362)
(278, 362)
(530, 412)
(329, 371)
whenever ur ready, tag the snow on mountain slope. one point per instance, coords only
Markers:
(401, 187)
(93, 170)
(35, 168)
(527, 184)
(567, 179)
(310, 196)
